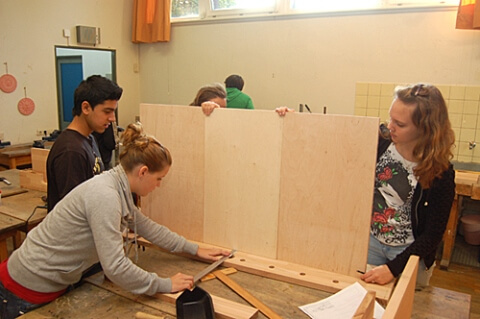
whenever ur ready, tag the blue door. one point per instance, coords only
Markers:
(71, 74)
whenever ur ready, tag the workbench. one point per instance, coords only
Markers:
(16, 155)
(467, 185)
(17, 210)
(99, 298)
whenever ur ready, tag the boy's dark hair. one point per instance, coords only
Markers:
(96, 89)
(234, 81)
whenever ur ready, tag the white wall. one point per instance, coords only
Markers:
(284, 62)
(311, 60)
(29, 30)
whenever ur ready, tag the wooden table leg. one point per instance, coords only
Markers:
(3, 249)
(451, 232)
(13, 163)
(17, 239)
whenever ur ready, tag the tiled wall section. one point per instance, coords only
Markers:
(463, 102)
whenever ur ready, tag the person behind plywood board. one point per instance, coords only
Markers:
(236, 99)
(210, 97)
(92, 224)
(213, 96)
(414, 185)
(75, 156)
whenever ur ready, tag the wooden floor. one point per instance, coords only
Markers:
(462, 279)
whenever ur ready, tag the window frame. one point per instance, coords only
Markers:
(282, 9)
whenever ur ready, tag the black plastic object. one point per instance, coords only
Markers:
(195, 304)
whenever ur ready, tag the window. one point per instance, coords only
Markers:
(331, 5)
(241, 4)
(309, 5)
(184, 8)
(210, 9)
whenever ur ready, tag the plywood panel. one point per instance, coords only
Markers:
(298, 189)
(326, 191)
(242, 180)
(179, 202)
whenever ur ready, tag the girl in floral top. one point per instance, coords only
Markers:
(414, 185)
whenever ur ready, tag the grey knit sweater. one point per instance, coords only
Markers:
(86, 227)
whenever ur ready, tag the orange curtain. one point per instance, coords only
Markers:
(151, 21)
(468, 15)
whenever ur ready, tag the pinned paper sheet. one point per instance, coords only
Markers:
(341, 305)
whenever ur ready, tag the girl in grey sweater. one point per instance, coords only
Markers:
(89, 226)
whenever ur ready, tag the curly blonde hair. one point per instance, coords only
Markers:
(433, 151)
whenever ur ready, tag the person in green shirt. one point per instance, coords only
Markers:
(236, 99)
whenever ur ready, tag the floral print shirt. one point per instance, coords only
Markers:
(395, 183)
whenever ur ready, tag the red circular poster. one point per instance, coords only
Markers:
(8, 83)
(26, 106)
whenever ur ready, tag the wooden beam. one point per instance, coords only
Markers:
(246, 295)
(291, 272)
(366, 309)
(226, 271)
(401, 304)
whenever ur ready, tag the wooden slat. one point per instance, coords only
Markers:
(293, 273)
(401, 304)
(451, 231)
(143, 315)
(269, 313)
(327, 178)
(226, 271)
(367, 307)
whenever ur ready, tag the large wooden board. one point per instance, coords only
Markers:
(179, 202)
(326, 193)
(242, 178)
(296, 188)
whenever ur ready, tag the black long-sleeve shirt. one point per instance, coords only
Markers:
(430, 212)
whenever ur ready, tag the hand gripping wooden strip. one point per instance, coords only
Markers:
(246, 295)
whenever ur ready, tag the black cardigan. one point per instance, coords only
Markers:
(430, 212)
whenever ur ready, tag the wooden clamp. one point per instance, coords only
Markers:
(269, 313)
